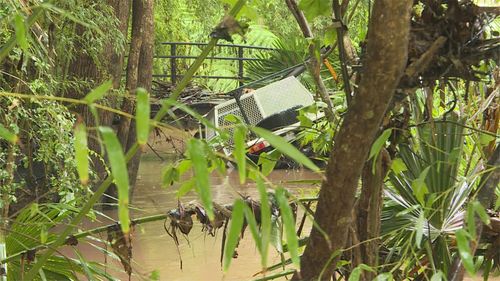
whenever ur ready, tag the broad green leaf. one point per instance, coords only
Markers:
(420, 187)
(233, 235)
(252, 224)
(289, 224)
(21, 35)
(184, 166)
(170, 176)
(239, 152)
(398, 166)
(82, 153)
(7, 135)
(355, 274)
(265, 220)
(419, 225)
(142, 114)
(120, 174)
(485, 139)
(314, 8)
(268, 161)
(465, 251)
(98, 92)
(285, 147)
(330, 36)
(383, 277)
(185, 187)
(154, 276)
(197, 154)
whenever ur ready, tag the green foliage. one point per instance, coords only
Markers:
(120, 175)
(142, 116)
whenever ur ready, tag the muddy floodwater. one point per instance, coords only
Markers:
(154, 250)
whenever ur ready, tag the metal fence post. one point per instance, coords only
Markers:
(173, 63)
(240, 65)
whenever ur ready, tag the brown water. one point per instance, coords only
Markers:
(153, 249)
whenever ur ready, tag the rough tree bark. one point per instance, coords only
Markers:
(139, 74)
(385, 62)
(84, 67)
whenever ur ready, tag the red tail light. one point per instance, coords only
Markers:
(257, 147)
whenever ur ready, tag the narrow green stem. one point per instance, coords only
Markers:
(130, 153)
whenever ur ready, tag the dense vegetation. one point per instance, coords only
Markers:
(406, 153)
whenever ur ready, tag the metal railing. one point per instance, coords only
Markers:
(175, 56)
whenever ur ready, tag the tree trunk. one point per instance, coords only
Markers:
(84, 67)
(139, 74)
(386, 59)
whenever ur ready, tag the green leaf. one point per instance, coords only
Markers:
(7, 135)
(120, 175)
(330, 36)
(289, 224)
(142, 114)
(239, 152)
(419, 226)
(314, 8)
(184, 166)
(265, 220)
(485, 139)
(170, 176)
(98, 92)
(383, 277)
(398, 166)
(233, 235)
(481, 212)
(197, 154)
(438, 276)
(185, 187)
(268, 161)
(252, 224)
(285, 147)
(44, 234)
(379, 143)
(21, 35)
(81, 153)
(420, 187)
(355, 274)
(154, 276)
(465, 251)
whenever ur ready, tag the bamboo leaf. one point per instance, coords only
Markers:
(438, 276)
(465, 251)
(285, 147)
(419, 225)
(170, 176)
(120, 175)
(265, 220)
(289, 224)
(142, 114)
(21, 35)
(8, 135)
(481, 212)
(377, 147)
(81, 153)
(197, 154)
(43, 234)
(252, 223)
(420, 187)
(98, 92)
(239, 152)
(185, 187)
(234, 232)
